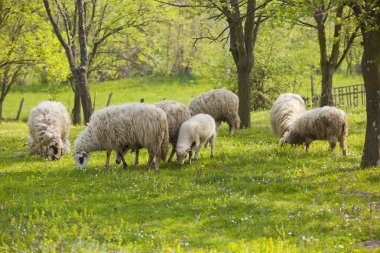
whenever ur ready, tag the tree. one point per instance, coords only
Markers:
(244, 19)
(82, 29)
(368, 14)
(23, 44)
(330, 17)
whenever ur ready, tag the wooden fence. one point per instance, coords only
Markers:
(350, 96)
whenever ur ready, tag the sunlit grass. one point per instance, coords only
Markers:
(253, 196)
(127, 90)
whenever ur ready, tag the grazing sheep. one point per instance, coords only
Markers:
(326, 123)
(49, 127)
(43, 152)
(221, 104)
(287, 108)
(199, 129)
(176, 113)
(132, 125)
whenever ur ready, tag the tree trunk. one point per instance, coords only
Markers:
(76, 113)
(326, 93)
(371, 75)
(1, 110)
(84, 94)
(244, 97)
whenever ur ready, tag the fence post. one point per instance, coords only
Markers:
(109, 99)
(20, 109)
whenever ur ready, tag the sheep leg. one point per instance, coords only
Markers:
(125, 165)
(343, 146)
(150, 161)
(217, 125)
(171, 155)
(307, 143)
(232, 129)
(212, 144)
(156, 163)
(136, 157)
(332, 146)
(108, 159)
(197, 152)
(190, 155)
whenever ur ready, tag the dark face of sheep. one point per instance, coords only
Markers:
(81, 159)
(54, 151)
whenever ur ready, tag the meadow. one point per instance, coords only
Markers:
(253, 196)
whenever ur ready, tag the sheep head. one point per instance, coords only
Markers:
(81, 159)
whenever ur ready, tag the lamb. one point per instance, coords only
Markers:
(199, 129)
(287, 108)
(221, 104)
(132, 125)
(49, 128)
(326, 123)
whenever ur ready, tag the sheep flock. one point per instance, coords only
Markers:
(134, 126)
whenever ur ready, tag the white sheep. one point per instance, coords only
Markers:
(199, 129)
(326, 123)
(221, 104)
(176, 113)
(43, 151)
(49, 127)
(287, 108)
(132, 125)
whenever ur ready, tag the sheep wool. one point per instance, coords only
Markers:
(221, 104)
(287, 108)
(49, 128)
(199, 129)
(133, 125)
(326, 123)
(177, 113)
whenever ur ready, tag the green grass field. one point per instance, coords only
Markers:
(253, 196)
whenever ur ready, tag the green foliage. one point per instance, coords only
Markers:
(253, 196)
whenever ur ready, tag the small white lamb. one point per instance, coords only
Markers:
(199, 129)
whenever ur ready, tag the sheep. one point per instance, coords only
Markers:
(43, 152)
(326, 123)
(199, 129)
(176, 113)
(49, 128)
(287, 108)
(221, 104)
(132, 125)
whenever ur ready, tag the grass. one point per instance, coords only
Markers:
(129, 90)
(253, 196)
